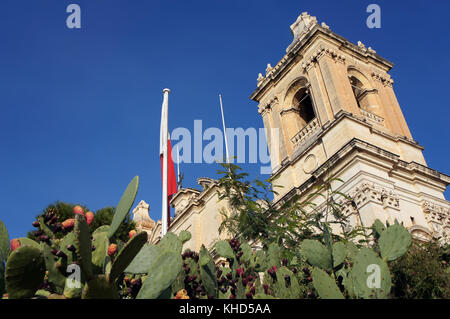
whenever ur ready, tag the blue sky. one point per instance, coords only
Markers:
(80, 109)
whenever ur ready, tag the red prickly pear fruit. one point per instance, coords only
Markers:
(68, 223)
(15, 243)
(35, 224)
(132, 233)
(232, 296)
(112, 249)
(78, 210)
(89, 217)
(274, 268)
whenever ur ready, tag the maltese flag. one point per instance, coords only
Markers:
(169, 181)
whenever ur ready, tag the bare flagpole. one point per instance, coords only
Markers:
(224, 130)
(165, 124)
(178, 166)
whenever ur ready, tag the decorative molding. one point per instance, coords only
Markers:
(321, 52)
(367, 192)
(372, 117)
(266, 107)
(438, 217)
(385, 80)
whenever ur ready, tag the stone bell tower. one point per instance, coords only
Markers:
(329, 108)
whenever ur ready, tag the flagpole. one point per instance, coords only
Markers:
(224, 129)
(165, 152)
(178, 166)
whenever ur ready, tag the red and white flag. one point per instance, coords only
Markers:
(169, 181)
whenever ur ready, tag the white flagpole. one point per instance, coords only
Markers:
(178, 166)
(224, 130)
(165, 152)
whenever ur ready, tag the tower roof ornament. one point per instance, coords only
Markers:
(141, 217)
(301, 26)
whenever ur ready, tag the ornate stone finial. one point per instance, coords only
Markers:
(141, 217)
(361, 45)
(303, 23)
(371, 50)
(324, 25)
(260, 79)
(301, 27)
(269, 68)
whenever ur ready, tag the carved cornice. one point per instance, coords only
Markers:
(438, 217)
(267, 107)
(385, 80)
(367, 192)
(321, 52)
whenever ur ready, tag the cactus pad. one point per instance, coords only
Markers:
(224, 249)
(338, 254)
(124, 205)
(83, 245)
(163, 271)
(171, 242)
(394, 242)
(126, 255)
(316, 254)
(144, 259)
(25, 270)
(184, 236)
(360, 273)
(4, 241)
(325, 285)
(99, 288)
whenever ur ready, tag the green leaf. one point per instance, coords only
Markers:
(124, 206)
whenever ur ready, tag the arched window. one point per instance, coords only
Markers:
(365, 96)
(303, 103)
(359, 92)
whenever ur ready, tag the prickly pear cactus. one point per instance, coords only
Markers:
(339, 254)
(316, 254)
(99, 288)
(4, 241)
(126, 255)
(325, 285)
(286, 285)
(100, 255)
(143, 260)
(161, 274)
(83, 245)
(378, 228)
(124, 205)
(171, 242)
(224, 249)
(394, 242)
(370, 275)
(184, 236)
(25, 270)
(208, 273)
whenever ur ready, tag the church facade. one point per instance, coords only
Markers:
(329, 109)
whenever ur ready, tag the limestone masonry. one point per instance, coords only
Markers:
(335, 110)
